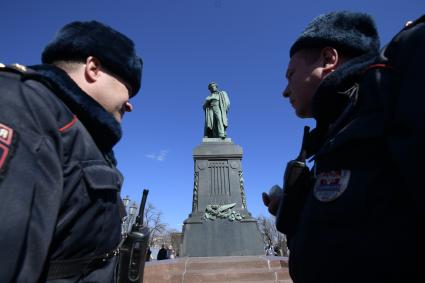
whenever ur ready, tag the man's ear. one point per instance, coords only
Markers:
(330, 59)
(92, 69)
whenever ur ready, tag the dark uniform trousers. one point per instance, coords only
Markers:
(59, 194)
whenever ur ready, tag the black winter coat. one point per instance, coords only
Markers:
(359, 216)
(58, 183)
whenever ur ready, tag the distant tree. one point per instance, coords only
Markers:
(167, 235)
(153, 220)
(271, 237)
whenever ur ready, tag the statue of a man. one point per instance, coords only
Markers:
(216, 106)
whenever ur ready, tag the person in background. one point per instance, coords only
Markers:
(148, 254)
(162, 253)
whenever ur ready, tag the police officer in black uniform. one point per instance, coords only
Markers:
(59, 185)
(358, 215)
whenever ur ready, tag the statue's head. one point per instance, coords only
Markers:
(212, 86)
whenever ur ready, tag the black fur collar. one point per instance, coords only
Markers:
(102, 126)
(329, 102)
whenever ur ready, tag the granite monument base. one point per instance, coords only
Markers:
(221, 237)
(220, 224)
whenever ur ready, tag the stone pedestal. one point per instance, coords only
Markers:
(229, 269)
(220, 224)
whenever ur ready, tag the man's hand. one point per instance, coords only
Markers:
(272, 199)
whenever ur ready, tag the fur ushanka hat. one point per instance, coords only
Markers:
(352, 32)
(78, 40)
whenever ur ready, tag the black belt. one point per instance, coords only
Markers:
(73, 267)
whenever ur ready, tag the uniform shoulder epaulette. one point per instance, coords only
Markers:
(16, 68)
(411, 24)
(24, 73)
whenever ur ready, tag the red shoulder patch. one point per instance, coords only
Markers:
(4, 152)
(6, 134)
(7, 145)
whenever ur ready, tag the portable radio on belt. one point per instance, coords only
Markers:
(133, 249)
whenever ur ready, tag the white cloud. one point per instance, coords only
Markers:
(160, 156)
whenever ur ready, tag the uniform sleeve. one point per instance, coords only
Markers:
(407, 139)
(30, 181)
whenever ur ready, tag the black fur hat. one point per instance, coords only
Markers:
(352, 32)
(78, 40)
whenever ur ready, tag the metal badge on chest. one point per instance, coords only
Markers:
(331, 184)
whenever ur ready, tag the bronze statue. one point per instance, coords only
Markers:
(216, 106)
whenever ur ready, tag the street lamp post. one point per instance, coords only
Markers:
(129, 218)
(126, 201)
(132, 210)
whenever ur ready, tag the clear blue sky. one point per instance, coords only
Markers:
(241, 44)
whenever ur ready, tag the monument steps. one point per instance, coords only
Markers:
(231, 269)
(262, 281)
(228, 275)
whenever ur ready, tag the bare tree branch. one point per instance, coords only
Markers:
(154, 222)
(271, 237)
